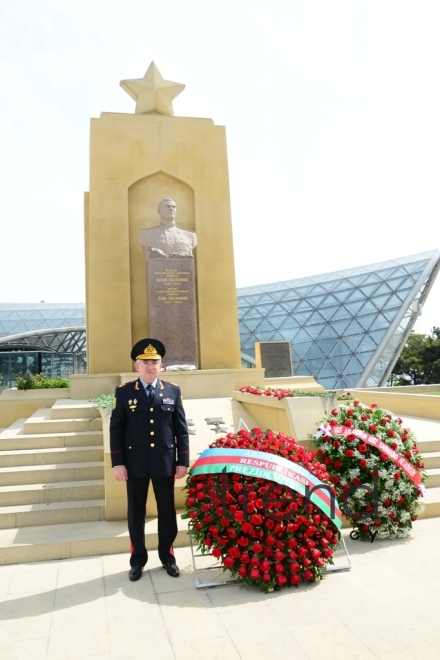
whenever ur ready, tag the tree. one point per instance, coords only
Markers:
(419, 361)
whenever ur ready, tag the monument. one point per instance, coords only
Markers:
(137, 160)
(168, 254)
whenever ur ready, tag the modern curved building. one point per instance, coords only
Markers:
(346, 328)
(41, 337)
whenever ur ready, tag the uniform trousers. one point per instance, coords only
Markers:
(137, 491)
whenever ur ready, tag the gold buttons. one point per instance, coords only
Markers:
(151, 421)
(129, 447)
(152, 444)
(151, 432)
(151, 409)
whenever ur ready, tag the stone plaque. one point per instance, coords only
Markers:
(275, 357)
(172, 300)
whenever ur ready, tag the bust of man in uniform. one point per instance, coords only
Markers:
(167, 240)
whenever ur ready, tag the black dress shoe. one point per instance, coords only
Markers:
(172, 569)
(135, 573)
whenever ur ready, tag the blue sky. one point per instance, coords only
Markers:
(331, 110)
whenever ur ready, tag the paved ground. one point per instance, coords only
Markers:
(387, 606)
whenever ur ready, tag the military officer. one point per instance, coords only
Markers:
(149, 441)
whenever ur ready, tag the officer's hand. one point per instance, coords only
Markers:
(181, 471)
(120, 473)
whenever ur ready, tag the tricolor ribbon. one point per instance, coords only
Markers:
(261, 465)
(399, 460)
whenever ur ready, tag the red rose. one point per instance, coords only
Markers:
(254, 574)
(373, 405)
(279, 556)
(334, 411)
(401, 500)
(363, 463)
(292, 543)
(237, 487)
(216, 552)
(256, 519)
(387, 502)
(396, 476)
(390, 433)
(295, 579)
(307, 562)
(270, 539)
(234, 552)
(350, 412)
(349, 423)
(242, 571)
(383, 421)
(200, 495)
(245, 558)
(265, 565)
(363, 448)
(243, 541)
(193, 515)
(372, 428)
(328, 553)
(266, 577)
(191, 501)
(364, 418)
(238, 516)
(309, 576)
(356, 402)
(349, 453)
(336, 443)
(255, 561)
(337, 464)
(302, 551)
(257, 548)
(295, 567)
(336, 480)
(281, 579)
(228, 562)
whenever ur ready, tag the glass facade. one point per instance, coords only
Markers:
(346, 328)
(44, 338)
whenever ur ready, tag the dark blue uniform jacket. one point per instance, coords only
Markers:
(149, 439)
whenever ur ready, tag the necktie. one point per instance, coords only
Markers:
(150, 389)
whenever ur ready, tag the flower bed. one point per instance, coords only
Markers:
(283, 392)
(376, 468)
(259, 529)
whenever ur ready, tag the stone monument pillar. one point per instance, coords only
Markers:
(136, 160)
(169, 258)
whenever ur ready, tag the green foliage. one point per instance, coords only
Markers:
(103, 400)
(39, 382)
(419, 362)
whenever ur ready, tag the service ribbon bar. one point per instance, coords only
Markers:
(401, 462)
(261, 465)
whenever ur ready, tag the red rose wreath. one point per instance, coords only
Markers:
(376, 468)
(246, 539)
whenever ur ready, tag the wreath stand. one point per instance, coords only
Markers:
(341, 554)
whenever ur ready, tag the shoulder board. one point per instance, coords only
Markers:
(168, 382)
(130, 382)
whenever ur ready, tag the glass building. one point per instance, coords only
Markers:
(346, 328)
(41, 337)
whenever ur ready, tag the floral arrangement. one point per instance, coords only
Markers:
(376, 468)
(281, 393)
(255, 527)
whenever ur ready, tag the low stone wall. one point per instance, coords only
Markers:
(412, 405)
(294, 416)
(15, 404)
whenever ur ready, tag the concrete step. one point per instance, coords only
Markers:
(41, 422)
(433, 477)
(15, 438)
(30, 457)
(92, 489)
(37, 474)
(431, 459)
(428, 446)
(74, 409)
(51, 513)
(432, 503)
(46, 542)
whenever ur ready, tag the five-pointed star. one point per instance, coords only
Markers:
(152, 93)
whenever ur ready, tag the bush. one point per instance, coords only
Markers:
(39, 382)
